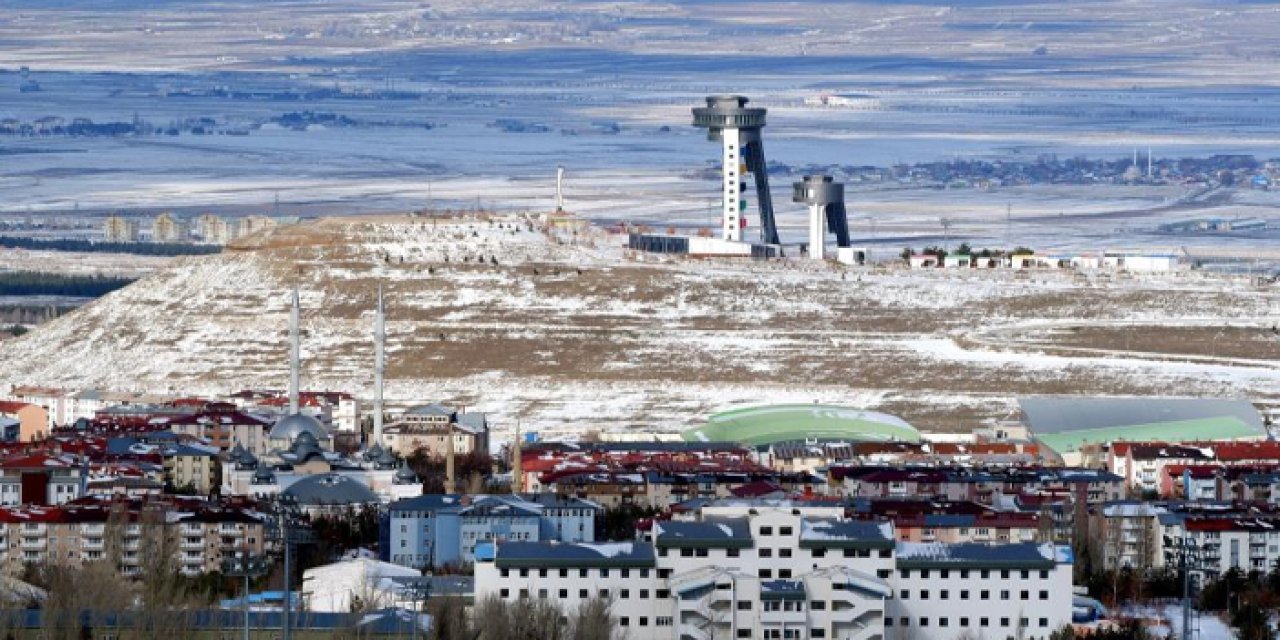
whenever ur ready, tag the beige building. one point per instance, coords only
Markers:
(193, 466)
(213, 229)
(168, 228)
(250, 225)
(428, 426)
(33, 419)
(119, 229)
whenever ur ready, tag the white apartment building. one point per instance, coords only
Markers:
(1246, 544)
(791, 570)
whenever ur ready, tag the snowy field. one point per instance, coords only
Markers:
(1004, 80)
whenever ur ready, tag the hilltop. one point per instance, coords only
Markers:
(564, 331)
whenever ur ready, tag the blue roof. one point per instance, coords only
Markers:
(428, 502)
(552, 554)
(782, 590)
(710, 532)
(1021, 555)
(837, 533)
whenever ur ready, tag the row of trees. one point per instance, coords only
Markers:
(93, 246)
(39, 283)
(498, 619)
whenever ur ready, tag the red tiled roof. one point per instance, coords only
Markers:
(8, 406)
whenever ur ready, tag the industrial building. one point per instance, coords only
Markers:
(1065, 425)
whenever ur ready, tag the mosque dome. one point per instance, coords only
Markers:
(291, 426)
(331, 489)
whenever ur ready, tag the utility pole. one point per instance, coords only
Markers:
(244, 565)
(1188, 555)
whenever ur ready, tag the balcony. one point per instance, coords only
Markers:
(192, 543)
(91, 544)
(34, 543)
(192, 530)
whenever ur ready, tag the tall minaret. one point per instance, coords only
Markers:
(295, 354)
(379, 366)
(517, 464)
(450, 479)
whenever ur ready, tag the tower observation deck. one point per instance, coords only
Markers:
(737, 127)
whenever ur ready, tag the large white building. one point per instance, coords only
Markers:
(792, 570)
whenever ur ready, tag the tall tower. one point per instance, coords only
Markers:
(825, 198)
(379, 366)
(737, 127)
(295, 355)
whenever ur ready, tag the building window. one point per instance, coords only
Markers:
(661, 594)
(924, 621)
(744, 605)
(506, 572)
(784, 531)
(582, 593)
(905, 594)
(817, 633)
(766, 531)
(731, 553)
(942, 622)
(624, 621)
(582, 573)
(1044, 622)
(888, 622)
(1025, 574)
(984, 622)
(984, 595)
(766, 553)
(784, 553)
(504, 593)
(564, 593)
(886, 553)
(1024, 622)
(1044, 595)
(1024, 595)
(564, 573)
(624, 594)
(819, 553)
(744, 633)
(964, 622)
(604, 573)
(1044, 575)
(964, 594)
(644, 621)
(542, 573)
(604, 594)
(818, 605)
(766, 573)
(1004, 622)
(924, 594)
(1004, 594)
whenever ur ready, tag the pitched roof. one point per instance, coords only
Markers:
(716, 533)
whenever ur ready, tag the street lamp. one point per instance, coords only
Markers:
(1187, 554)
(247, 566)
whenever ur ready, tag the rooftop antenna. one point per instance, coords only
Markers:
(379, 366)
(295, 354)
(560, 189)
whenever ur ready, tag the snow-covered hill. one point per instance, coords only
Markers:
(564, 331)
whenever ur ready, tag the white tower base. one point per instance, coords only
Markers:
(731, 216)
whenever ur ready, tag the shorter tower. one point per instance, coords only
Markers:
(825, 198)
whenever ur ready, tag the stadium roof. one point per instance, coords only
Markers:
(789, 422)
(1066, 424)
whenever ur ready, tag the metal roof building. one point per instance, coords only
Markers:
(790, 422)
(1065, 424)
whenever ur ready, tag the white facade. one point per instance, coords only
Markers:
(1141, 263)
(332, 587)
(731, 220)
(783, 570)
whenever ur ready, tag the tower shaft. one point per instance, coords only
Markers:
(728, 120)
(295, 355)
(379, 366)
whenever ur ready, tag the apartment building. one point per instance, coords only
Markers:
(427, 427)
(782, 569)
(198, 534)
(1243, 543)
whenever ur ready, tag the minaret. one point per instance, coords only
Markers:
(517, 464)
(379, 366)
(450, 479)
(559, 189)
(295, 355)
(1149, 173)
